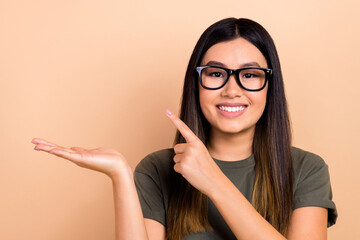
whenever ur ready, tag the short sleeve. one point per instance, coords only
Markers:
(312, 186)
(151, 178)
(150, 197)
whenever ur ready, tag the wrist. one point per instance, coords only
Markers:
(218, 188)
(121, 173)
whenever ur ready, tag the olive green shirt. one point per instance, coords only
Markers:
(311, 187)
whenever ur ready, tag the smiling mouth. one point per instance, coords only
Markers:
(231, 109)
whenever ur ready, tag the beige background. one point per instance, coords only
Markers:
(101, 73)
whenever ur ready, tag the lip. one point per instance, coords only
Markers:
(231, 104)
(231, 114)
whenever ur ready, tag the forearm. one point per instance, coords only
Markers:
(129, 221)
(242, 218)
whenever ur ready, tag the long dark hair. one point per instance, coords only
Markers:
(273, 186)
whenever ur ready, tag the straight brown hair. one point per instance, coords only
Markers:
(273, 186)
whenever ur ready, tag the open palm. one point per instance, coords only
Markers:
(105, 160)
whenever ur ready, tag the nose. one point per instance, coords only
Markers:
(232, 88)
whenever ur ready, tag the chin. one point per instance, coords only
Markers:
(236, 129)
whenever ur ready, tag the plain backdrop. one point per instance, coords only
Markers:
(102, 73)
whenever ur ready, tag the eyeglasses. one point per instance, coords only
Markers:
(249, 78)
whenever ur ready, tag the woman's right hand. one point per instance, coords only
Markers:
(105, 160)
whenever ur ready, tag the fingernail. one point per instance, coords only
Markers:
(168, 112)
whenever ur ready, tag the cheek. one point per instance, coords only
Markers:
(202, 98)
(206, 96)
(206, 99)
(259, 100)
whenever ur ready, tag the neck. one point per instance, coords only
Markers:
(231, 146)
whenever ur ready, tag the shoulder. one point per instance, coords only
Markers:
(306, 163)
(160, 160)
(301, 156)
(154, 172)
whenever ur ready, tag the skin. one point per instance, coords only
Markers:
(227, 134)
(129, 223)
(194, 161)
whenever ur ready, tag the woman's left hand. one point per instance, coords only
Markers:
(193, 161)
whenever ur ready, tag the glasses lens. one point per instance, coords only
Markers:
(213, 77)
(252, 79)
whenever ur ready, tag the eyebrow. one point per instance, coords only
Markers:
(220, 64)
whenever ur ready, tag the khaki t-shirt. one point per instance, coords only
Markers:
(152, 178)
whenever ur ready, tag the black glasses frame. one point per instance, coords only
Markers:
(229, 72)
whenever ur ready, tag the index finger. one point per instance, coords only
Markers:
(182, 127)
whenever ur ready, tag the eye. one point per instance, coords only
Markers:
(216, 74)
(252, 74)
(249, 75)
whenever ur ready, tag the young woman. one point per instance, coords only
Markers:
(232, 173)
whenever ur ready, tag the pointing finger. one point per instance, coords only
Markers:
(182, 127)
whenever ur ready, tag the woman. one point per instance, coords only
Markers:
(232, 173)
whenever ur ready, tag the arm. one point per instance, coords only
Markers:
(247, 223)
(129, 221)
(193, 161)
(313, 221)
(155, 230)
(128, 215)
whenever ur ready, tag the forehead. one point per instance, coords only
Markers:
(234, 53)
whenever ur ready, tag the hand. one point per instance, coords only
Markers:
(193, 160)
(104, 160)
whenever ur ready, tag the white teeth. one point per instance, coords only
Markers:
(231, 109)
